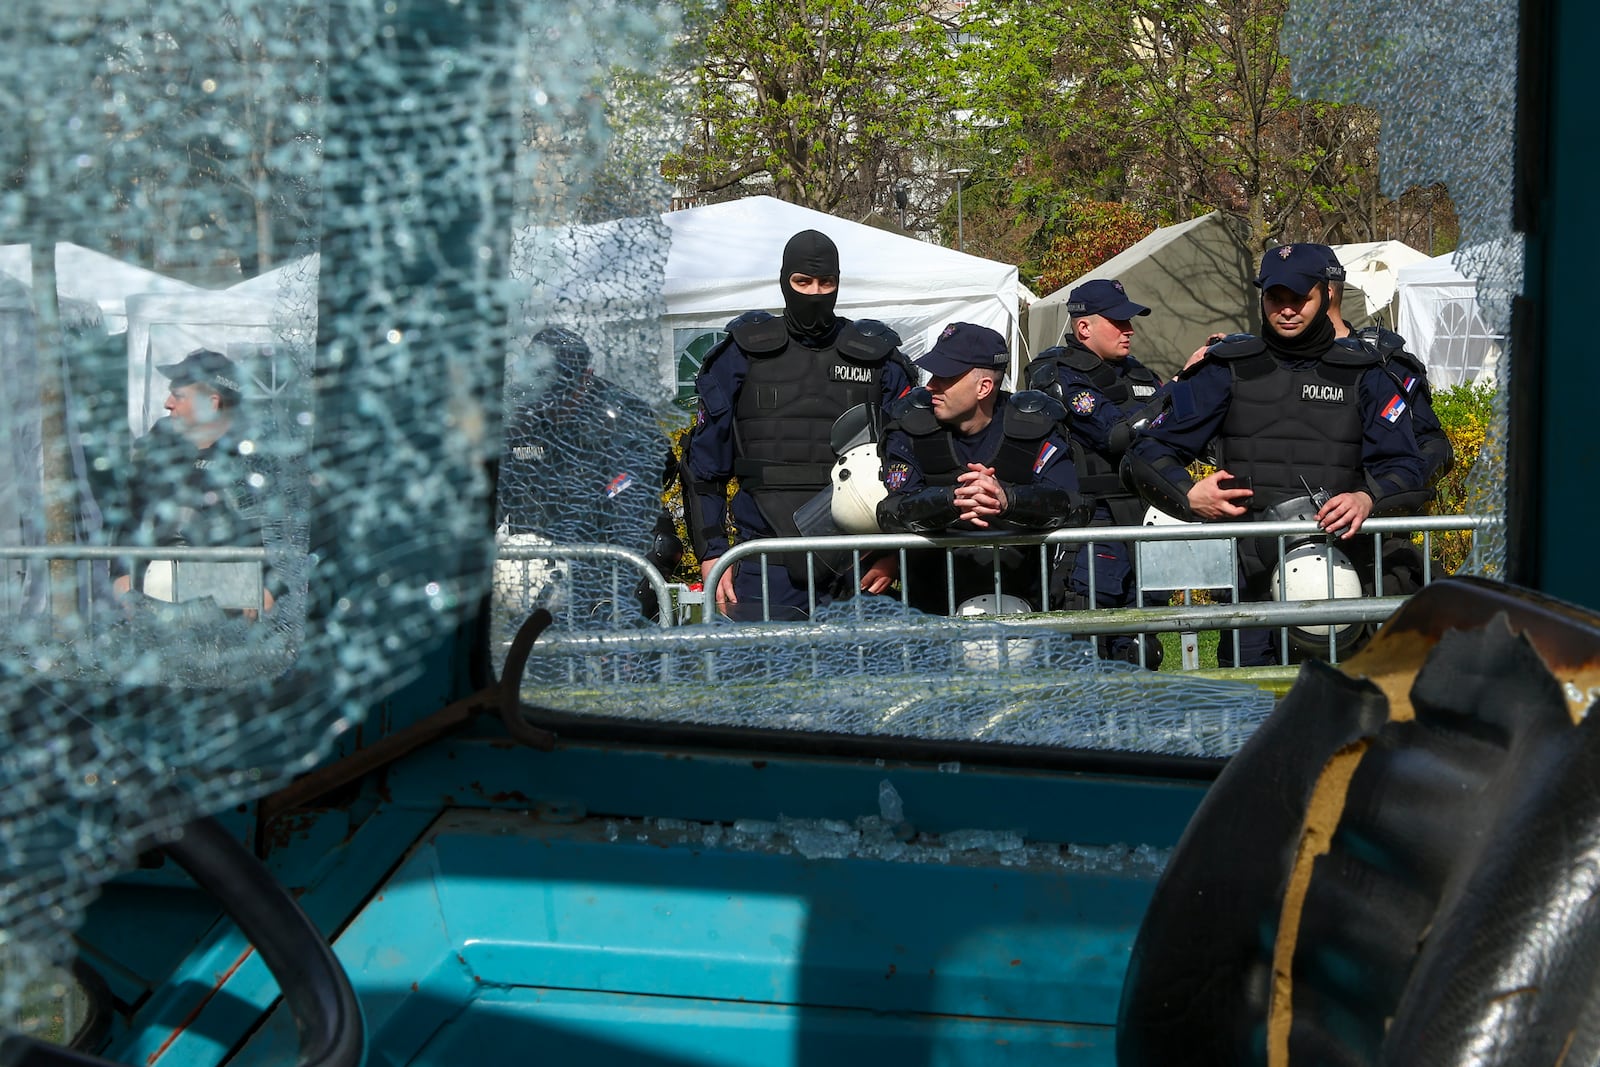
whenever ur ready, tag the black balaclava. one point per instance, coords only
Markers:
(813, 253)
(1309, 343)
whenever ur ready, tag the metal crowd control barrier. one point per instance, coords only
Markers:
(1331, 612)
(39, 585)
(555, 553)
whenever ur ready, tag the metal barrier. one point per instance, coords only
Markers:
(555, 553)
(47, 589)
(1188, 618)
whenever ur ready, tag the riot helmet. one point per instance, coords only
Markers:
(856, 477)
(1314, 567)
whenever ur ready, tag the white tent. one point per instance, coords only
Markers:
(724, 260)
(1373, 268)
(1443, 325)
(94, 278)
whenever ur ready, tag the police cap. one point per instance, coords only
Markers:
(1300, 268)
(204, 367)
(1334, 270)
(963, 346)
(1102, 297)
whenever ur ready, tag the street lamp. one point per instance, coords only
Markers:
(961, 238)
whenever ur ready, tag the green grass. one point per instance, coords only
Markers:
(1172, 652)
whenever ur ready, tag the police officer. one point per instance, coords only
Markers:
(582, 465)
(962, 456)
(1289, 409)
(1105, 392)
(196, 478)
(769, 395)
(1407, 371)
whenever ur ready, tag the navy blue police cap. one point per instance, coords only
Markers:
(963, 346)
(204, 367)
(1300, 268)
(1333, 269)
(1102, 297)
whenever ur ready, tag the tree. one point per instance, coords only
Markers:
(817, 100)
(1097, 231)
(210, 151)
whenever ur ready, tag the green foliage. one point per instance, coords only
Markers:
(814, 96)
(1466, 412)
(1093, 232)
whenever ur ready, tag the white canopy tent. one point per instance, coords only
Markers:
(1373, 269)
(1443, 325)
(725, 258)
(94, 278)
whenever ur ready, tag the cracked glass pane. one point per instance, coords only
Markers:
(280, 283)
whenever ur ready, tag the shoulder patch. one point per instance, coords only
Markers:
(1082, 403)
(896, 474)
(1047, 452)
(1393, 409)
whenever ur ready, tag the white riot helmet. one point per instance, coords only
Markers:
(995, 653)
(520, 585)
(1315, 568)
(857, 473)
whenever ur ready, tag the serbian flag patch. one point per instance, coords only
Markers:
(616, 485)
(1394, 410)
(1046, 454)
(1411, 380)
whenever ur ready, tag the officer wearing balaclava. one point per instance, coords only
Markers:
(768, 398)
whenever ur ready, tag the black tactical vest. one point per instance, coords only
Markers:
(1284, 425)
(787, 405)
(1025, 419)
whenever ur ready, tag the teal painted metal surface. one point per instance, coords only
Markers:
(706, 786)
(1562, 286)
(502, 924)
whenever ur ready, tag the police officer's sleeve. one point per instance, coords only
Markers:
(1051, 500)
(912, 505)
(1389, 454)
(1096, 422)
(1438, 454)
(708, 454)
(1154, 465)
(897, 380)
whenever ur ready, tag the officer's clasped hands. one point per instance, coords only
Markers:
(979, 495)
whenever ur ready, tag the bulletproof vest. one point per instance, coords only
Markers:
(1025, 418)
(1097, 474)
(1284, 425)
(787, 405)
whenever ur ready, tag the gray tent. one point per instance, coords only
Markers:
(1196, 279)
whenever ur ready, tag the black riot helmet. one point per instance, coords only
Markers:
(813, 253)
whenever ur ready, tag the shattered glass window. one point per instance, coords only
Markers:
(286, 287)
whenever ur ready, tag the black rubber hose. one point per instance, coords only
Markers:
(315, 988)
